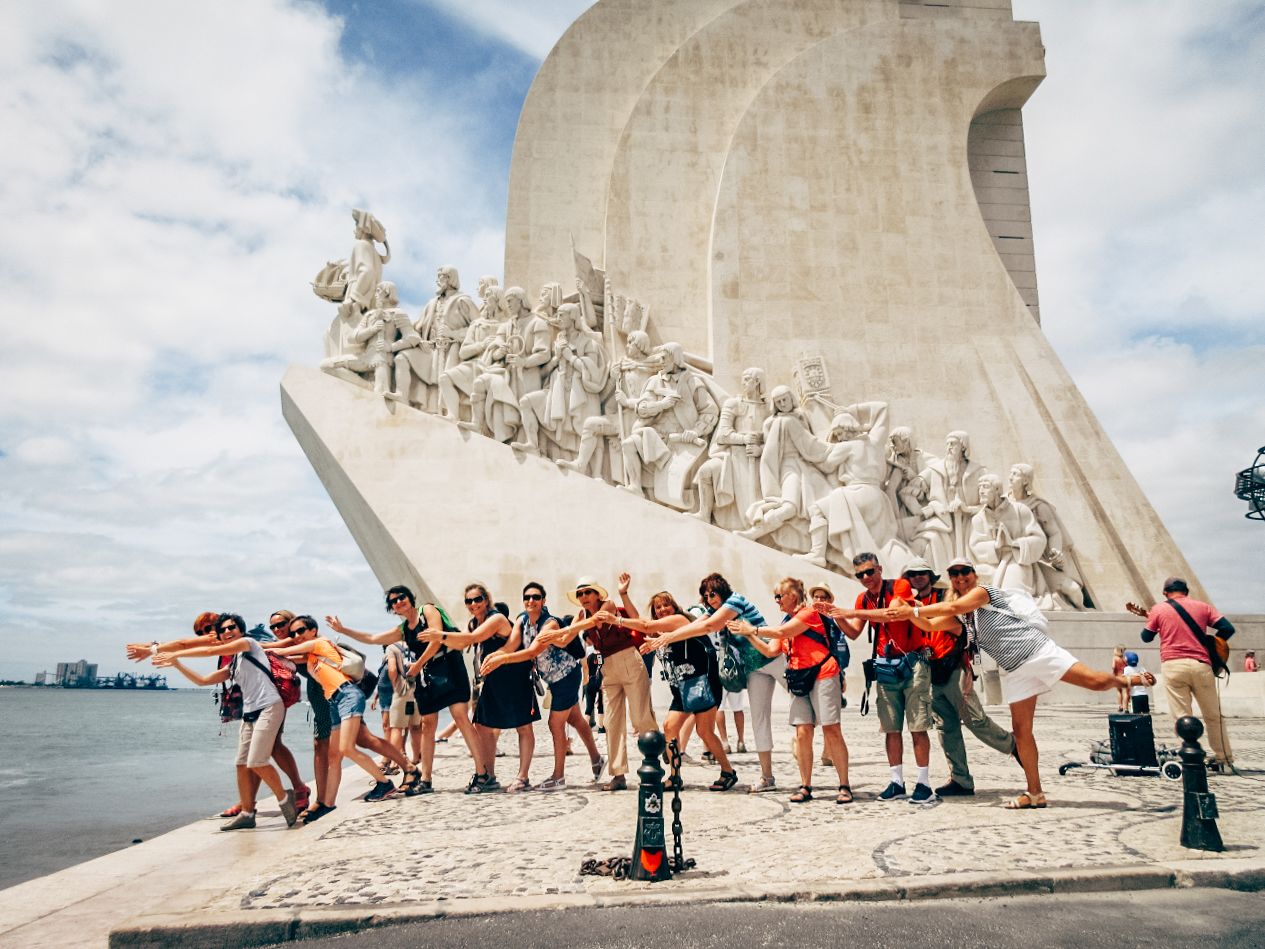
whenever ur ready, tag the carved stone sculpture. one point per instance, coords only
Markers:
(380, 333)
(1005, 541)
(789, 477)
(1060, 581)
(576, 372)
(511, 368)
(905, 489)
(729, 481)
(675, 414)
(629, 376)
(856, 516)
(353, 283)
(952, 500)
(442, 327)
(456, 384)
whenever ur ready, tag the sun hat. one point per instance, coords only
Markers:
(586, 583)
(822, 586)
(918, 565)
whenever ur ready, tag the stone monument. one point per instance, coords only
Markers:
(816, 264)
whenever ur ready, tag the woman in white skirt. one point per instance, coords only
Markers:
(1012, 634)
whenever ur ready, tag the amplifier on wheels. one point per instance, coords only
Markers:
(1132, 740)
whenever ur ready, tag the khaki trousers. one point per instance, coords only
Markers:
(950, 710)
(1184, 678)
(625, 684)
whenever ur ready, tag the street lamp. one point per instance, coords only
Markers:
(1249, 486)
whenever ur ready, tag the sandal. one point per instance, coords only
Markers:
(726, 780)
(519, 784)
(845, 795)
(803, 795)
(673, 783)
(1026, 802)
(232, 811)
(411, 780)
(302, 798)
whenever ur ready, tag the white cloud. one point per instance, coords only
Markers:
(532, 27)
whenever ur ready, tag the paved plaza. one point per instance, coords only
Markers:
(448, 853)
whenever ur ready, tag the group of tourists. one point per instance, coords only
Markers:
(924, 636)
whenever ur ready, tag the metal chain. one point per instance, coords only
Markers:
(678, 854)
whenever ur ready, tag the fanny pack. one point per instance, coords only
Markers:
(894, 672)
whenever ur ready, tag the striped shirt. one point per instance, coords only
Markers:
(1002, 632)
(743, 608)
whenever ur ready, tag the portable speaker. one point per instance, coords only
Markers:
(1132, 740)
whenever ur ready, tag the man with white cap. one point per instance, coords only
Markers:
(953, 702)
(624, 680)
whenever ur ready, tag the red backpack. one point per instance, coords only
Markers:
(283, 675)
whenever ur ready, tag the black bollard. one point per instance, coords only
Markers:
(650, 859)
(1199, 807)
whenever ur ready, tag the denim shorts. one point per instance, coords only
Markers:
(566, 691)
(346, 702)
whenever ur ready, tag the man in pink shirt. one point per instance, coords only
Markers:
(1185, 664)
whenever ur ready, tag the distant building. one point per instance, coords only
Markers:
(74, 675)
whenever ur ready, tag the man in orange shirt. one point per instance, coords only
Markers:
(907, 703)
(953, 702)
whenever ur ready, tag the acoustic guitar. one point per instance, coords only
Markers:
(1218, 649)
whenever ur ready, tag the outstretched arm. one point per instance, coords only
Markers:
(139, 652)
(969, 601)
(392, 635)
(495, 624)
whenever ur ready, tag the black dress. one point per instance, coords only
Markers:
(444, 680)
(507, 699)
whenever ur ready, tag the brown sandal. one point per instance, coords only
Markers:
(1026, 802)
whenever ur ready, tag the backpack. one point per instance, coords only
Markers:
(733, 671)
(838, 643)
(283, 675)
(230, 702)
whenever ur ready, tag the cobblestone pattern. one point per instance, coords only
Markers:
(450, 846)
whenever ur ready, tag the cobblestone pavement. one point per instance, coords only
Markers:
(448, 846)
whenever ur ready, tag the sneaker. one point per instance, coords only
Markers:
(599, 765)
(763, 785)
(742, 749)
(893, 792)
(288, 809)
(381, 791)
(923, 795)
(552, 784)
(242, 821)
(953, 789)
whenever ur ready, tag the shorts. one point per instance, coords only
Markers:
(256, 739)
(906, 706)
(565, 693)
(346, 702)
(320, 710)
(1038, 674)
(734, 701)
(405, 712)
(822, 706)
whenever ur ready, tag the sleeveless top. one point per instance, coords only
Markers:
(1002, 633)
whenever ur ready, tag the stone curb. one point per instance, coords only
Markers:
(264, 927)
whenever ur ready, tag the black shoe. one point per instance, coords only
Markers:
(953, 789)
(893, 792)
(923, 795)
(726, 780)
(313, 814)
(381, 791)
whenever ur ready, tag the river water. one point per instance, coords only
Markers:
(87, 772)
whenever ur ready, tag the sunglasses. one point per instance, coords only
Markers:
(532, 597)
(229, 627)
(586, 592)
(399, 598)
(778, 596)
(205, 630)
(302, 629)
(960, 571)
(276, 626)
(471, 600)
(862, 574)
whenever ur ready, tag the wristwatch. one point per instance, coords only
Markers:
(917, 607)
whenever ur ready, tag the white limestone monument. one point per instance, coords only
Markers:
(809, 327)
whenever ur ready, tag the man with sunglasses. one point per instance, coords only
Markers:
(953, 702)
(263, 712)
(624, 680)
(907, 704)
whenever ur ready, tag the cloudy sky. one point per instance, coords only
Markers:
(174, 174)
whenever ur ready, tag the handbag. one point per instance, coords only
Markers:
(696, 694)
(733, 671)
(437, 673)
(894, 673)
